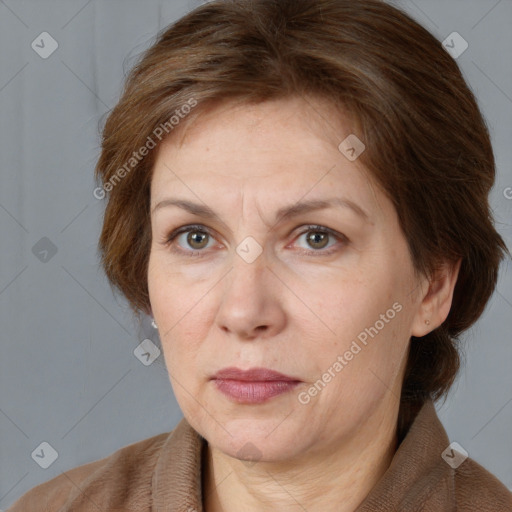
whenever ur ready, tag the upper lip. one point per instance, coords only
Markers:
(252, 374)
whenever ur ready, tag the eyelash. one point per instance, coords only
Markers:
(201, 229)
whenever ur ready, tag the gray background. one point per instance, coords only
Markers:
(68, 373)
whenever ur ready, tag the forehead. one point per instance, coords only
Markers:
(253, 139)
(273, 152)
(317, 115)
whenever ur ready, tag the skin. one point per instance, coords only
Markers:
(294, 309)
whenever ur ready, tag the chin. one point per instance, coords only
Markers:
(250, 439)
(251, 450)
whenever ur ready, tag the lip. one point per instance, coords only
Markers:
(253, 386)
(253, 375)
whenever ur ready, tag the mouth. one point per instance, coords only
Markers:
(253, 386)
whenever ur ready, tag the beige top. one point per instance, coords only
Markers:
(163, 474)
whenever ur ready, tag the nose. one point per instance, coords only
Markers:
(251, 304)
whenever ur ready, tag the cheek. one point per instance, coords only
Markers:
(368, 321)
(163, 291)
(349, 305)
(164, 284)
(177, 310)
(152, 276)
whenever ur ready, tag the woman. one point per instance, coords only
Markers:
(297, 193)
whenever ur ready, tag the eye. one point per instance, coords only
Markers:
(197, 238)
(318, 238)
(193, 236)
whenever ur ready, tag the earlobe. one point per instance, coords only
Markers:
(436, 303)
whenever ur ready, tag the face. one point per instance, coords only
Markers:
(324, 296)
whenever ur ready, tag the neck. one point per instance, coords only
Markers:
(337, 478)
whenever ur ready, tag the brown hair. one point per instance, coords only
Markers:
(427, 144)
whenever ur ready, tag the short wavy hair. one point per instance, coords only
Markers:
(427, 143)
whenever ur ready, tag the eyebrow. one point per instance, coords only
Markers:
(285, 212)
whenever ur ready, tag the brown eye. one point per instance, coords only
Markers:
(196, 239)
(189, 240)
(317, 239)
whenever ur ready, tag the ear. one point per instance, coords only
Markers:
(437, 300)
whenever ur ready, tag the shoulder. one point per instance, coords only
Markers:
(118, 481)
(478, 489)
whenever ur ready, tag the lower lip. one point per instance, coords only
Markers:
(253, 392)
